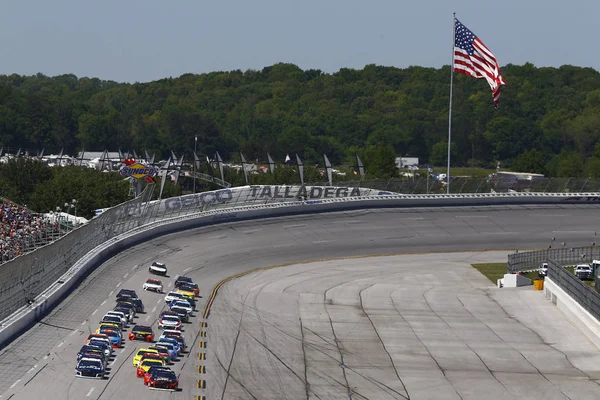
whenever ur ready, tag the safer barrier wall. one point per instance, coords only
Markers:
(60, 265)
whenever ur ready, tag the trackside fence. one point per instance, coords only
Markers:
(587, 297)
(25, 277)
(532, 260)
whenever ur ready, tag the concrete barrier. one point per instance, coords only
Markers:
(585, 321)
(26, 316)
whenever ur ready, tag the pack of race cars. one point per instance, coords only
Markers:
(152, 361)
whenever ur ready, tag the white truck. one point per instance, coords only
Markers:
(583, 271)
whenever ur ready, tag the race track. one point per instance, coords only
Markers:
(42, 361)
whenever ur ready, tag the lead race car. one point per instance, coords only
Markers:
(158, 268)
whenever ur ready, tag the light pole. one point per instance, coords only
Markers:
(58, 218)
(194, 161)
(73, 204)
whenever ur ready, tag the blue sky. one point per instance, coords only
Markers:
(133, 40)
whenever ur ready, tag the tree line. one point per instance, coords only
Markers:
(548, 120)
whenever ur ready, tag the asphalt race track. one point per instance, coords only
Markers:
(42, 361)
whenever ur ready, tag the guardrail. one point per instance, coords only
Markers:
(587, 297)
(531, 260)
(30, 285)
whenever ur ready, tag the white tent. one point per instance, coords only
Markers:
(63, 216)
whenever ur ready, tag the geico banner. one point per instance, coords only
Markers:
(263, 193)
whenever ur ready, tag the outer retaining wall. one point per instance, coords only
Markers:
(589, 325)
(26, 316)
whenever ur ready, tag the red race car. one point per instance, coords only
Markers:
(141, 332)
(161, 378)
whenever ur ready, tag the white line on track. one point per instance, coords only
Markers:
(147, 318)
(74, 332)
(158, 301)
(187, 269)
(294, 226)
(95, 311)
(321, 241)
(154, 309)
(31, 369)
(119, 284)
(45, 357)
(103, 303)
(15, 384)
(111, 292)
(170, 284)
(252, 231)
(90, 392)
(60, 344)
(282, 245)
(83, 323)
(126, 275)
(165, 250)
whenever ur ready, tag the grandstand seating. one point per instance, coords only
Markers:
(22, 230)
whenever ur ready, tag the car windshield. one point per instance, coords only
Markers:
(111, 333)
(165, 374)
(169, 346)
(151, 362)
(90, 363)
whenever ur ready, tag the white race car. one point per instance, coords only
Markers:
(169, 322)
(158, 268)
(154, 285)
(172, 296)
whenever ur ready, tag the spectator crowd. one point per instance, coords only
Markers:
(21, 230)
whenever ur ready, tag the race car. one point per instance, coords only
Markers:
(113, 319)
(172, 296)
(184, 291)
(145, 365)
(141, 332)
(172, 345)
(95, 356)
(168, 321)
(158, 268)
(88, 348)
(189, 287)
(115, 337)
(169, 347)
(174, 340)
(124, 317)
(140, 353)
(105, 346)
(101, 337)
(90, 368)
(126, 294)
(161, 378)
(182, 304)
(153, 285)
(182, 313)
(181, 280)
(104, 325)
(163, 352)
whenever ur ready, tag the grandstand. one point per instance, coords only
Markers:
(22, 230)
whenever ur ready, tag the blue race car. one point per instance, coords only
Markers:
(174, 342)
(115, 337)
(90, 368)
(171, 348)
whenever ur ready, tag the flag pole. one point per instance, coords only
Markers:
(450, 108)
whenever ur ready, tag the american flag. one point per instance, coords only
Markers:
(473, 58)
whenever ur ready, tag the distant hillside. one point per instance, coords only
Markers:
(548, 120)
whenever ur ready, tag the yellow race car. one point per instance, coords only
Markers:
(187, 293)
(145, 366)
(104, 326)
(140, 353)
